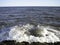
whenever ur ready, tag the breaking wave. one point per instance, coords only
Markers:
(30, 33)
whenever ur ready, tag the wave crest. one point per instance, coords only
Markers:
(30, 33)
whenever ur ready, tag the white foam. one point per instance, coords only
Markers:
(24, 33)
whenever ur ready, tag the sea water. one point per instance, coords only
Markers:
(31, 24)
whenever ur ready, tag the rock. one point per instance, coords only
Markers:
(13, 42)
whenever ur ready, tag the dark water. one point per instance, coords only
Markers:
(10, 16)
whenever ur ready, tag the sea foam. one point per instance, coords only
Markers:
(30, 33)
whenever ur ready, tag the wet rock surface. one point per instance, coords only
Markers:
(12, 42)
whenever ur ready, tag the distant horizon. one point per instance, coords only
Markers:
(29, 6)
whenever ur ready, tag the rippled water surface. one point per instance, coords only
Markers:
(31, 24)
(10, 16)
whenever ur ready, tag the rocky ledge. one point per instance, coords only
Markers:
(12, 42)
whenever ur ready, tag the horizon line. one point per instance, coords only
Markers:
(29, 6)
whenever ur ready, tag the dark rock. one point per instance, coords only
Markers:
(13, 42)
(25, 43)
(8, 42)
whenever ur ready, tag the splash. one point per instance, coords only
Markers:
(30, 33)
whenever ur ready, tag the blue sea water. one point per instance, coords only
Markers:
(10, 16)
(39, 21)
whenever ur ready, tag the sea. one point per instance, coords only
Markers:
(11, 18)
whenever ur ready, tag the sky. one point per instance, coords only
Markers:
(29, 2)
